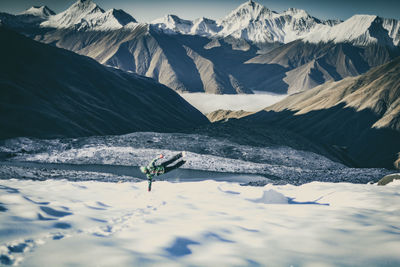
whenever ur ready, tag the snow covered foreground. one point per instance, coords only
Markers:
(207, 223)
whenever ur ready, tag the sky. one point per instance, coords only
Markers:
(148, 10)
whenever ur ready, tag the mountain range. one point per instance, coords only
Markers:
(251, 49)
(51, 92)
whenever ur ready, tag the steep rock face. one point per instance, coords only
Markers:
(49, 92)
(393, 28)
(360, 114)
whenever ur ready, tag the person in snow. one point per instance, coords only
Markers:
(152, 169)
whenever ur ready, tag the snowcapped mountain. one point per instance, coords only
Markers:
(254, 22)
(39, 11)
(250, 21)
(251, 49)
(30, 18)
(257, 23)
(202, 26)
(85, 14)
(173, 24)
(359, 30)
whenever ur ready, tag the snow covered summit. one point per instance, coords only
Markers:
(250, 21)
(39, 11)
(254, 22)
(171, 24)
(248, 11)
(360, 30)
(85, 14)
(257, 23)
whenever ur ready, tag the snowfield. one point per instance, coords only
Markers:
(84, 202)
(282, 164)
(207, 223)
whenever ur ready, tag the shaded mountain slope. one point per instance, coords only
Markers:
(360, 114)
(178, 61)
(191, 63)
(308, 65)
(47, 92)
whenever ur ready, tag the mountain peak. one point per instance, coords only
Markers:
(172, 23)
(253, 21)
(85, 6)
(296, 12)
(39, 11)
(122, 17)
(250, 21)
(251, 3)
(360, 30)
(172, 20)
(87, 15)
(249, 10)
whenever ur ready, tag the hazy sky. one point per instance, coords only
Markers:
(148, 10)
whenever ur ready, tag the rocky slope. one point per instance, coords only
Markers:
(359, 115)
(48, 92)
(306, 65)
(224, 115)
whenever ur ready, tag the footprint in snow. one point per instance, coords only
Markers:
(36, 202)
(53, 212)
